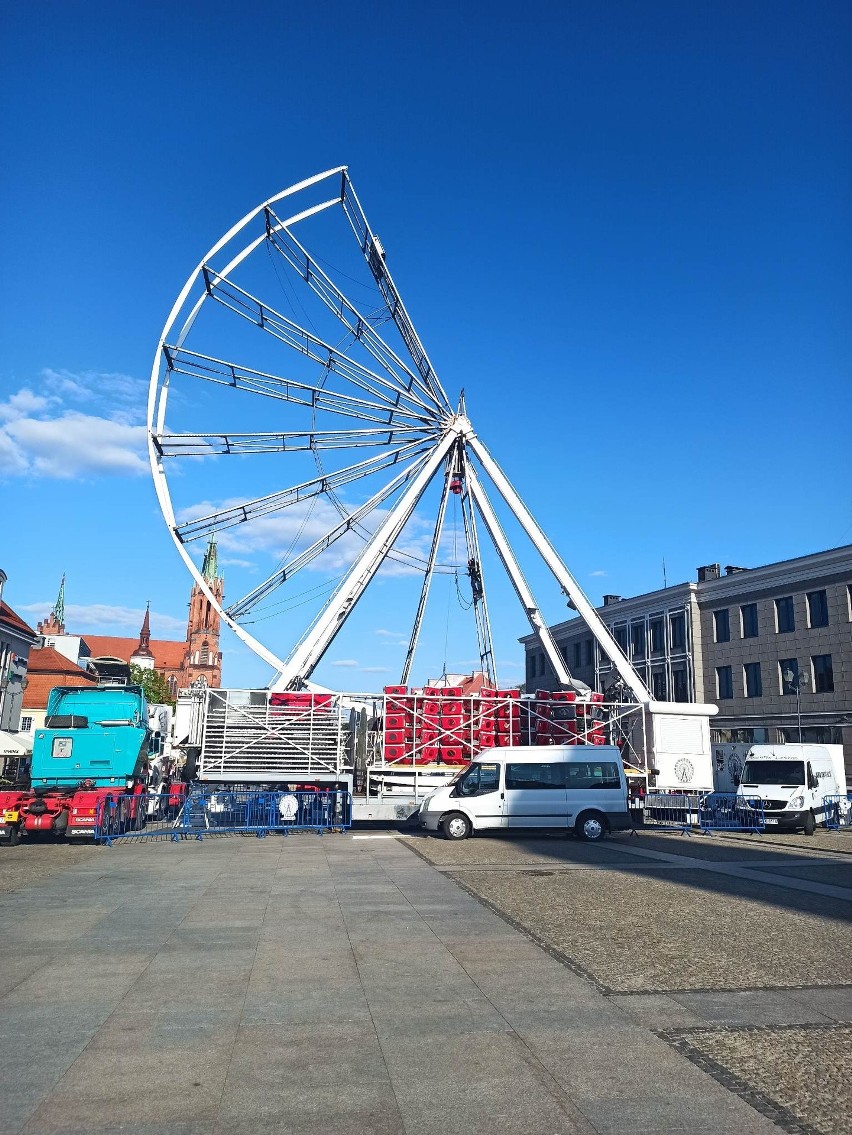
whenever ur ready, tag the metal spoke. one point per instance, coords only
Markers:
(222, 372)
(273, 502)
(262, 315)
(357, 324)
(280, 575)
(208, 444)
(375, 257)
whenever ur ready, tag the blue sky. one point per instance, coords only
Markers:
(622, 228)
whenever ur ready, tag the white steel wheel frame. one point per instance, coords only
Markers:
(443, 433)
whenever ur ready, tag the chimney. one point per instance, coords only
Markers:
(608, 600)
(709, 571)
(731, 570)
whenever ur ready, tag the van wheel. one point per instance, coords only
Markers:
(591, 827)
(810, 824)
(456, 826)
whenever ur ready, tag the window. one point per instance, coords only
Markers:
(541, 664)
(724, 682)
(637, 640)
(677, 626)
(753, 684)
(577, 655)
(530, 666)
(539, 776)
(823, 673)
(26, 724)
(788, 674)
(680, 690)
(817, 609)
(658, 639)
(620, 636)
(592, 774)
(722, 625)
(785, 617)
(659, 686)
(588, 652)
(479, 779)
(748, 617)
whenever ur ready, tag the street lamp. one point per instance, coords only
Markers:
(795, 680)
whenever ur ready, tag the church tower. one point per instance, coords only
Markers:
(55, 624)
(203, 658)
(143, 655)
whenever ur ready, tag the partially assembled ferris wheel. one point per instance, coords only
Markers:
(331, 439)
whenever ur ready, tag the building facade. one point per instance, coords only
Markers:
(771, 646)
(16, 640)
(180, 663)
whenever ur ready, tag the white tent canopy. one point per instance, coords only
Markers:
(14, 745)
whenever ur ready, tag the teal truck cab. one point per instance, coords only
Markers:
(96, 744)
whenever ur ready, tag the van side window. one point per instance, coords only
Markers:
(593, 774)
(538, 776)
(478, 780)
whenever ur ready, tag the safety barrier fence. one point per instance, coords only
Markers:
(838, 813)
(713, 812)
(673, 810)
(731, 812)
(225, 812)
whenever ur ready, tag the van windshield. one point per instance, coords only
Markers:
(774, 772)
(458, 776)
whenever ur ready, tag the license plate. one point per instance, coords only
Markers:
(772, 819)
(10, 817)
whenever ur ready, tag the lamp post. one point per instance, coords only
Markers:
(795, 680)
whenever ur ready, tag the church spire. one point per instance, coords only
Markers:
(210, 567)
(143, 655)
(55, 623)
(59, 609)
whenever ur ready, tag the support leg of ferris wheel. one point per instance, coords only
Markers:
(477, 583)
(307, 654)
(430, 567)
(522, 590)
(561, 573)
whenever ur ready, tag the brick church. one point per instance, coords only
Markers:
(180, 663)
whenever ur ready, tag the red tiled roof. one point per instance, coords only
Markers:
(13, 619)
(168, 655)
(47, 669)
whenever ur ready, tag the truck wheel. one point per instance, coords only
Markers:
(810, 824)
(591, 827)
(456, 826)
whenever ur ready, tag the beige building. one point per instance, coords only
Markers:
(771, 646)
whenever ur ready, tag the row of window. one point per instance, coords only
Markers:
(790, 679)
(634, 641)
(547, 776)
(785, 616)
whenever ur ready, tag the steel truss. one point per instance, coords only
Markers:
(363, 409)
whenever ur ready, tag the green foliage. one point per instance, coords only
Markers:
(156, 687)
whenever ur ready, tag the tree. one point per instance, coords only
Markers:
(154, 685)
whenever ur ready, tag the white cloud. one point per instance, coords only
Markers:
(375, 670)
(102, 618)
(345, 662)
(386, 634)
(75, 444)
(228, 562)
(598, 573)
(43, 436)
(22, 403)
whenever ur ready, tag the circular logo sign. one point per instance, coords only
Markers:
(684, 770)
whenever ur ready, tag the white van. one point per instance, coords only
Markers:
(792, 782)
(579, 787)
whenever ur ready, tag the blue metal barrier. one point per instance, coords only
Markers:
(224, 812)
(838, 812)
(731, 812)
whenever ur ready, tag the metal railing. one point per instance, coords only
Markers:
(838, 812)
(731, 812)
(678, 811)
(222, 812)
